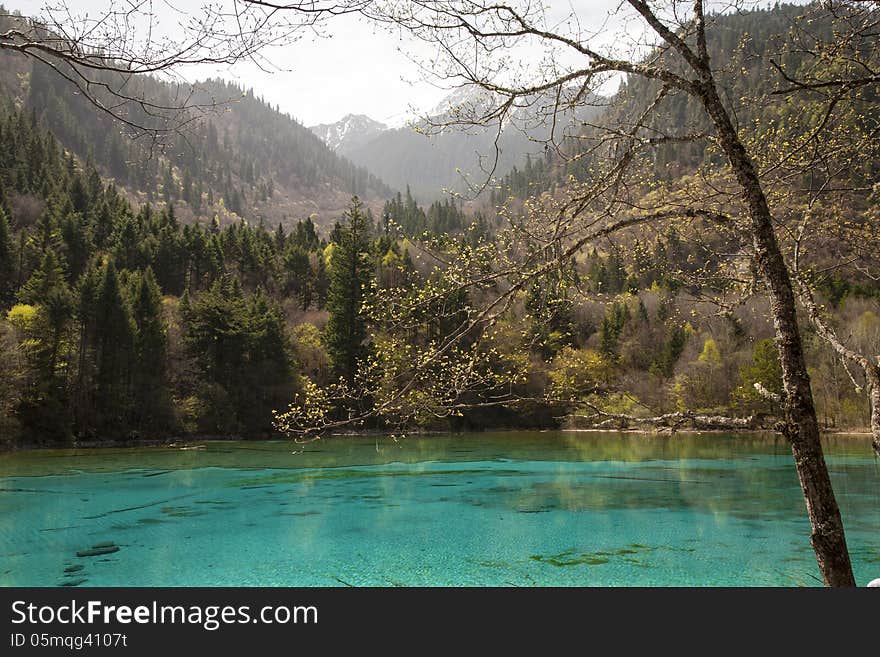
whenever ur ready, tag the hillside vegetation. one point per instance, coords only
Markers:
(123, 318)
(234, 156)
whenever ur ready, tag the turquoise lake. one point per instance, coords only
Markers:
(489, 509)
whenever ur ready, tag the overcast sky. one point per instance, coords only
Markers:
(354, 69)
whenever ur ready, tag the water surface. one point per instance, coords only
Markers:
(522, 509)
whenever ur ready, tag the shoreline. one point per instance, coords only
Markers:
(197, 441)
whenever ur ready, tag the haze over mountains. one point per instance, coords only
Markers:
(431, 161)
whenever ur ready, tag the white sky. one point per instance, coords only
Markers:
(355, 69)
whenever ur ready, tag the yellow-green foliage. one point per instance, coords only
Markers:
(328, 253)
(867, 332)
(710, 354)
(392, 260)
(23, 316)
(576, 373)
(25, 320)
(307, 335)
(189, 410)
(618, 403)
(309, 410)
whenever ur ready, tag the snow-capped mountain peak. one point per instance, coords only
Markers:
(349, 132)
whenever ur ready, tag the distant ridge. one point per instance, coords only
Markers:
(245, 161)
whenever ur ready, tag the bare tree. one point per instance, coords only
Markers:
(102, 53)
(473, 41)
(831, 166)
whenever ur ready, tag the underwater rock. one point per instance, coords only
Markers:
(73, 582)
(98, 550)
(572, 558)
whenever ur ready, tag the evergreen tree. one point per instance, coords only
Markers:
(43, 408)
(240, 348)
(77, 244)
(305, 235)
(86, 302)
(267, 381)
(350, 274)
(613, 324)
(765, 369)
(114, 341)
(46, 280)
(46, 235)
(673, 345)
(321, 282)
(298, 275)
(7, 268)
(149, 386)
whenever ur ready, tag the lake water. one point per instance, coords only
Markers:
(518, 508)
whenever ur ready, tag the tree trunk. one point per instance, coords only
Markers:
(873, 375)
(801, 427)
(674, 421)
(868, 364)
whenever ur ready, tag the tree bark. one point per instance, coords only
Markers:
(868, 364)
(674, 421)
(801, 427)
(873, 376)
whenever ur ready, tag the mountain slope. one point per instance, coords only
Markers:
(244, 160)
(741, 46)
(427, 160)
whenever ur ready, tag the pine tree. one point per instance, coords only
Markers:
(266, 383)
(321, 281)
(215, 334)
(114, 338)
(298, 275)
(46, 235)
(612, 327)
(43, 409)
(280, 238)
(45, 280)
(77, 244)
(350, 274)
(306, 236)
(85, 302)
(149, 386)
(7, 267)
(676, 338)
